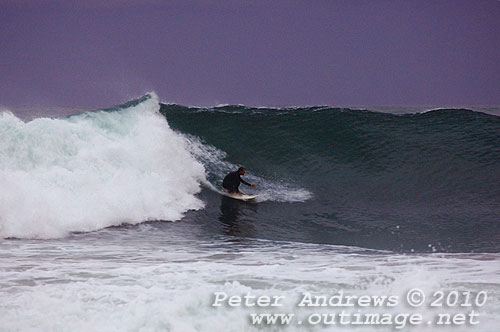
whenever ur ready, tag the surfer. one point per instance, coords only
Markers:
(232, 181)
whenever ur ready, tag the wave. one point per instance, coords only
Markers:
(441, 146)
(380, 180)
(93, 170)
(398, 181)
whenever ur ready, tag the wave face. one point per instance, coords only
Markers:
(426, 181)
(93, 170)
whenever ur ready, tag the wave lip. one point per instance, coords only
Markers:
(94, 170)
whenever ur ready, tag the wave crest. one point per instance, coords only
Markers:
(94, 170)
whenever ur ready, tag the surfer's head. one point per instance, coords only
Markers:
(242, 170)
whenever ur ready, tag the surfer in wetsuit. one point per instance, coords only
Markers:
(232, 181)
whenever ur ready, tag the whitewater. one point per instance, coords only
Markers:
(109, 220)
(94, 170)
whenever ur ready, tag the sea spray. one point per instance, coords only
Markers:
(93, 170)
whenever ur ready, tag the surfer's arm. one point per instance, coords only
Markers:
(248, 184)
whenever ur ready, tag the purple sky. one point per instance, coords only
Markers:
(373, 52)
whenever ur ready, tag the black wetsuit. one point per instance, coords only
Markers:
(232, 181)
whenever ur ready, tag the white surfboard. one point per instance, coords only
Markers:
(240, 196)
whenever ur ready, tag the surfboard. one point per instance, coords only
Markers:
(241, 196)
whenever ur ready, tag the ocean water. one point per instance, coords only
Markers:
(109, 220)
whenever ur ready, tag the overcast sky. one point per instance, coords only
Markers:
(352, 52)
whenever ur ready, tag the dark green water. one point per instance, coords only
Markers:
(423, 182)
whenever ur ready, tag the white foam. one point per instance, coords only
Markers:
(154, 281)
(92, 171)
(217, 167)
